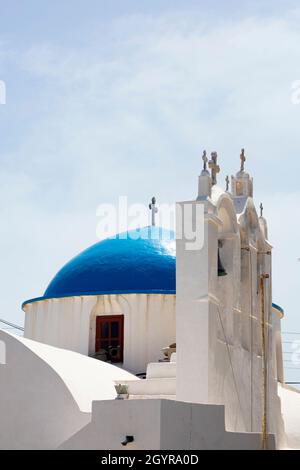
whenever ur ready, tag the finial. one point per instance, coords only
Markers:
(153, 209)
(205, 160)
(215, 169)
(227, 183)
(243, 159)
(261, 209)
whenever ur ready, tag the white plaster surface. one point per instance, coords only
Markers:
(218, 374)
(160, 424)
(46, 393)
(87, 379)
(161, 370)
(218, 319)
(70, 323)
(154, 386)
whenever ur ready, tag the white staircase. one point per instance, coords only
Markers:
(160, 382)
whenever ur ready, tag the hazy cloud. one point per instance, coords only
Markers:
(128, 113)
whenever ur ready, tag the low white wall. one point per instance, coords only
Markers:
(70, 323)
(37, 410)
(160, 425)
(86, 378)
(46, 393)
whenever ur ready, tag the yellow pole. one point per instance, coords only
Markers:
(264, 364)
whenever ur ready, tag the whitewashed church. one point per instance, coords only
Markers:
(150, 340)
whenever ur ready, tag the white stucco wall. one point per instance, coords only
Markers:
(160, 425)
(85, 377)
(37, 410)
(46, 393)
(70, 323)
(219, 334)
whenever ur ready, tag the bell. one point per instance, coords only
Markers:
(221, 270)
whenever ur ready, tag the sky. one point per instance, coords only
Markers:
(106, 99)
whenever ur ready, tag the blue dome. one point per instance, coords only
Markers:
(138, 261)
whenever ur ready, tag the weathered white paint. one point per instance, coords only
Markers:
(219, 348)
(161, 370)
(160, 381)
(160, 425)
(155, 387)
(219, 339)
(37, 410)
(44, 391)
(70, 323)
(47, 393)
(86, 378)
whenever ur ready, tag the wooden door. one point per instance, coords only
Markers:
(110, 337)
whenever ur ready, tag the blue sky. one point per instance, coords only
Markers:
(120, 98)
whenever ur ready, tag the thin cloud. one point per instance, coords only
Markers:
(129, 113)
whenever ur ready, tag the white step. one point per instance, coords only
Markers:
(158, 370)
(161, 386)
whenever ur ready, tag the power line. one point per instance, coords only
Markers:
(290, 333)
(17, 327)
(7, 328)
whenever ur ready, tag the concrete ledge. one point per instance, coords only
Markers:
(163, 386)
(156, 370)
(160, 425)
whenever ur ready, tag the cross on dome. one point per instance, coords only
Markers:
(153, 209)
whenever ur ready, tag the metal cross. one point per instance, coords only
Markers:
(243, 159)
(153, 209)
(215, 169)
(205, 160)
(227, 183)
(261, 209)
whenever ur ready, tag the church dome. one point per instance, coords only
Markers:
(139, 261)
